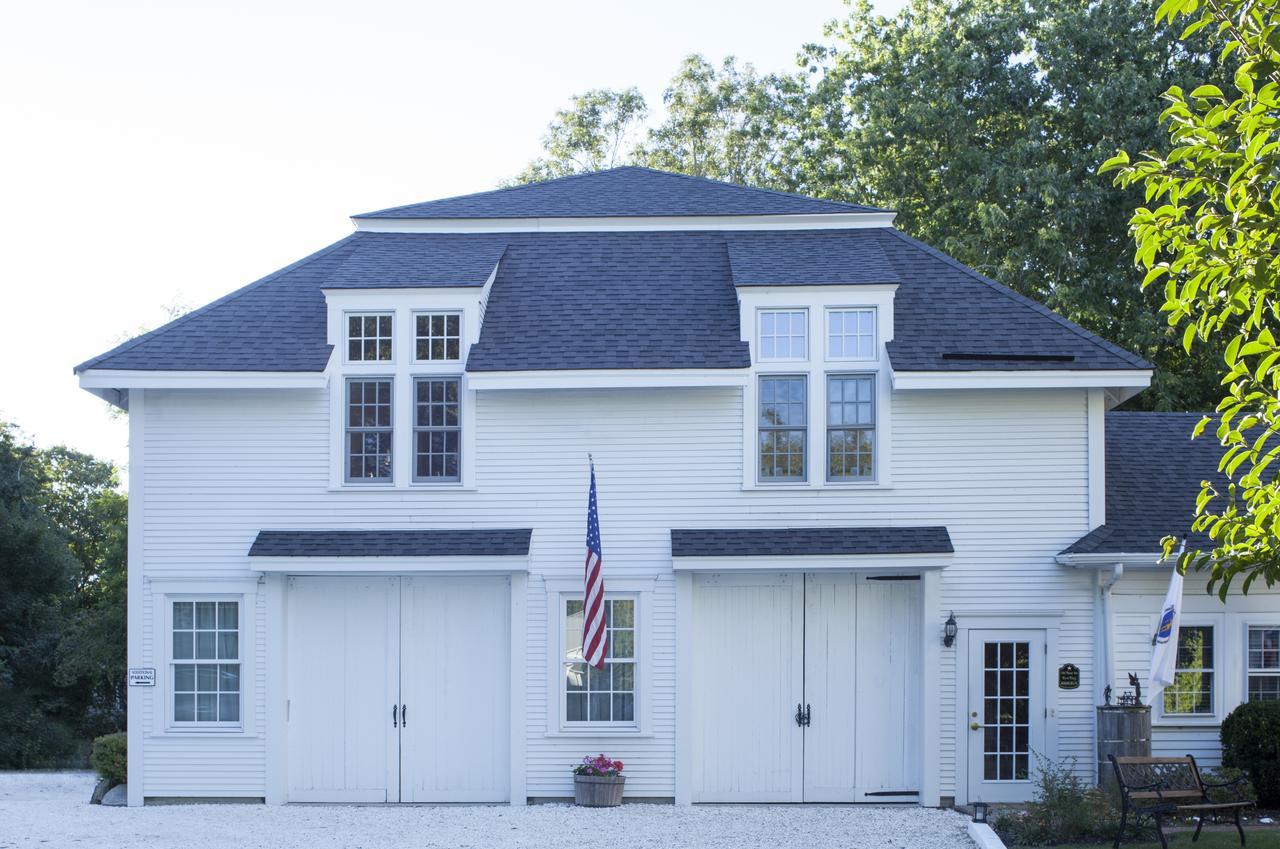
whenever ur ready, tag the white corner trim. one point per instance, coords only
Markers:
(1026, 379)
(138, 379)
(861, 563)
(389, 565)
(821, 221)
(606, 378)
(1096, 415)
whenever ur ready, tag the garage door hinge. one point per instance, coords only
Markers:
(288, 708)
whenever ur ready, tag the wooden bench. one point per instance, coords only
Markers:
(1159, 787)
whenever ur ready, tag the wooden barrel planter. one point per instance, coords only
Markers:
(598, 791)
(1122, 730)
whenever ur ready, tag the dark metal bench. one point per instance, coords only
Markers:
(1160, 787)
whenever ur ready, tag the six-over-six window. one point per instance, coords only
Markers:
(608, 695)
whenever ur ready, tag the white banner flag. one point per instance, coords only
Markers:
(1164, 650)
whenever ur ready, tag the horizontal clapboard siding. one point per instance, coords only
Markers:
(1004, 471)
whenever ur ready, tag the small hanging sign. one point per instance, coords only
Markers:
(1068, 676)
(142, 676)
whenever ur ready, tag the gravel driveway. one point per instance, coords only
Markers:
(51, 810)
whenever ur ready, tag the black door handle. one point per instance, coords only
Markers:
(404, 717)
(808, 715)
(394, 724)
(800, 715)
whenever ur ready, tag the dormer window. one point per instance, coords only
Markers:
(369, 337)
(851, 334)
(437, 336)
(784, 335)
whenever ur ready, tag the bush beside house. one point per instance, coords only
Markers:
(1251, 742)
(110, 757)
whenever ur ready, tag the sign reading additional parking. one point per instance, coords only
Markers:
(142, 676)
(1068, 676)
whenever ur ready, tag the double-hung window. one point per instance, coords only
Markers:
(1264, 662)
(784, 423)
(437, 337)
(437, 428)
(205, 667)
(1192, 693)
(369, 337)
(368, 430)
(601, 696)
(784, 335)
(851, 427)
(851, 334)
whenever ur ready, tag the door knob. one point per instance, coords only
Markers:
(974, 726)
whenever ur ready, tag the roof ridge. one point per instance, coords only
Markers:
(130, 344)
(1110, 347)
(699, 178)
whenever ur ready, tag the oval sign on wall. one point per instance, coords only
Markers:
(1068, 676)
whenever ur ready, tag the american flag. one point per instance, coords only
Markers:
(594, 639)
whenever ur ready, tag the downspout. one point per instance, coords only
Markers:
(1108, 662)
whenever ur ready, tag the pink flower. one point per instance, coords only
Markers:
(617, 765)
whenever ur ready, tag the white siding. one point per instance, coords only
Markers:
(1004, 471)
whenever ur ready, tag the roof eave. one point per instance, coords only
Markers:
(1107, 560)
(623, 223)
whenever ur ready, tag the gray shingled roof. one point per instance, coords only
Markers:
(622, 192)
(1154, 470)
(785, 542)
(471, 542)
(611, 300)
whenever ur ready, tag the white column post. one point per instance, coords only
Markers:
(136, 599)
(277, 690)
(930, 702)
(519, 686)
(684, 688)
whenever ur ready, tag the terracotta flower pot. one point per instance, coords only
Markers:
(598, 791)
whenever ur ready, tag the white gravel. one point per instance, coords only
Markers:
(52, 810)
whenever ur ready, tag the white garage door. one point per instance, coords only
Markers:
(399, 689)
(806, 688)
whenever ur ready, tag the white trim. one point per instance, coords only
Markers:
(1218, 622)
(893, 564)
(1129, 560)
(454, 565)
(1096, 412)
(587, 224)
(139, 379)
(163, 596)
(136, 698)
(930, 717)
(605, 378)
(685, 730)
(276, 694)
(758, 343)
(518, 599)
(869, 362)
(1025, 379)
(346, 336)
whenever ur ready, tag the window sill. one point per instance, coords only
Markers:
(412, 487)
(1186, 721)
(198, 733)
(622, 733)
(814, 487)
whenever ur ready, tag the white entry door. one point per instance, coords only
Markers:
(1006, 712)
(806, 688)
(344, 678)
(454, 685)
(399, 689)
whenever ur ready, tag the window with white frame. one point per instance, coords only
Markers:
(368, 430)
(601, 696)
(783, 427)
(851, 334)
(437, 336)
(205, 668)
(369, 337)
(437, 428)
(1192, 692)
(784, 335)
(1264, 662)
(851, 427)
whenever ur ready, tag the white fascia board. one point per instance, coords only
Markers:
(836, 221)
(94, 379)
(1023, 379)
(368, 296)
(606, 378)
(861, 563)
(784, 292)
(387, 565)
(1130, 560)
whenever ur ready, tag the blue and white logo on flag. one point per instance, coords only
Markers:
(1164, 647)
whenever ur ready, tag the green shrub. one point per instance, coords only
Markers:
(1064, 810)
(1251, 742)
(1223, 774)
(110, 757)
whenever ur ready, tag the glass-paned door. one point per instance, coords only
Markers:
(1006, 712)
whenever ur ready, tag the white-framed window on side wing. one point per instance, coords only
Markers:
(783, 335)
(437, 337)
(1263, 660)
(851, 427)
(369, 337)
(851, 334)
(437, 429)
(1194, 689)
(783, 427)
(369, 430)
(205, 663)
(600, 697)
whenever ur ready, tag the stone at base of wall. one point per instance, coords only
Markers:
(116, 797)
(981, 834)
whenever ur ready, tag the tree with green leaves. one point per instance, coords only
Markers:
(597, 131)
(1208, 238)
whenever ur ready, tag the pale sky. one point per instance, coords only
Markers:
(163, 153)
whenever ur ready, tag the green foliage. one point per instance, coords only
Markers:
(62, 603)
(1208, 239)
(983, 123)
(1251, 742)
(596, 131)
(1064, 809)
(110, 757)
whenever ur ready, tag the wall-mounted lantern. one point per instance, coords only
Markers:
(980, 812)
(949, 631)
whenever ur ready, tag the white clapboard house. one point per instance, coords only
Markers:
(870, 531)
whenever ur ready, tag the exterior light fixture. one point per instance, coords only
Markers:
(980, 812)
(949, 631)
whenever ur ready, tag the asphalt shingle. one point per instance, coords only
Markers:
(784, 542)
(470, 542)
(824, 257)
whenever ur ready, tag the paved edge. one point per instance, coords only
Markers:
(982, 835)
